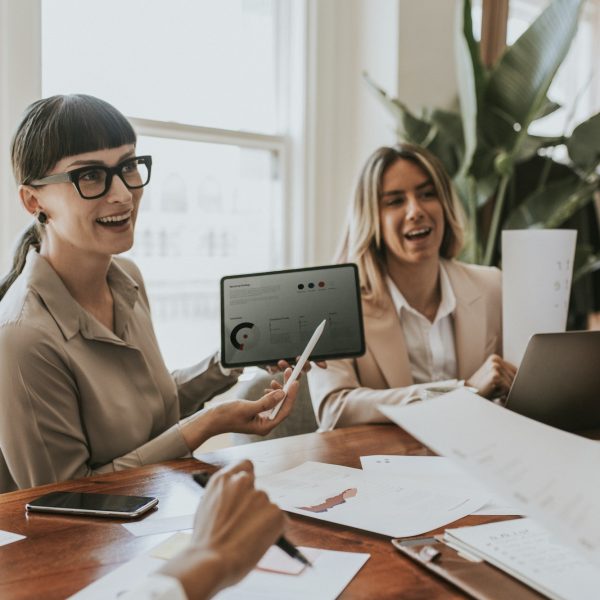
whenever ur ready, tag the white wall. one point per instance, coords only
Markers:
(407, 47)
(19, 45)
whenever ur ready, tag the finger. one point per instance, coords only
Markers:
(287, 374)
(268, 401)
(283, 365)
(245, 466)
(287, 406)
(275, 385)
(322, 364)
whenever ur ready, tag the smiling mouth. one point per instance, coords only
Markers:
(417, 234)
(114, 220)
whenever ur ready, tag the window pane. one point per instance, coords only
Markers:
(199, 62)
(209, 210)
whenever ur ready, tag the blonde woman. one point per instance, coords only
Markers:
(427, 316)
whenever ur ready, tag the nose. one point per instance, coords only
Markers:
(118, 191)
(414, 210)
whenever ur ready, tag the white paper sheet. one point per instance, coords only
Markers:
(330, 574)
(121, 580)
(527, 551)
(551, 474)
(154, 525)
(435, 471)
(365, 500)
(7, 537)
(537, 265)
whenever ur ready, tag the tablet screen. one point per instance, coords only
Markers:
(269, 316)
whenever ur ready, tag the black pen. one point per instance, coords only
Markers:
(202, 478)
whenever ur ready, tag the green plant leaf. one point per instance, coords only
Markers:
(552, 205)
(471, 76)
(532, 143)
(517, 87)
(584, 143)
(547, 108)
(411, 128)
(585, 263)
(447, 144)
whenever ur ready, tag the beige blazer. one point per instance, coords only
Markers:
(347, 392)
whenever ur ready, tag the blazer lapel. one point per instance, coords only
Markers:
(469, 317)
(385, 341)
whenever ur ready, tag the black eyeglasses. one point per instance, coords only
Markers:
(95, 180)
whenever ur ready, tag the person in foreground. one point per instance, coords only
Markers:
(427, 317)
(83, 386)
(235, 524)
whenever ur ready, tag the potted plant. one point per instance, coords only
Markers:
(506, 177)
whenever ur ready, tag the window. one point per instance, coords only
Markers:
(201, 81)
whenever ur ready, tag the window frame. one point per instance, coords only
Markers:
(21, 81)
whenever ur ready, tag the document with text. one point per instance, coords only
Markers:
(373, 502)
(550, 474)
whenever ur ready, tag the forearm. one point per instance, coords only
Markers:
(201, 382)
(358, 406)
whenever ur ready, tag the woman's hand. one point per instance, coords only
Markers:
(493, 378)
(282, 365)
(245, 416)
(234, 526)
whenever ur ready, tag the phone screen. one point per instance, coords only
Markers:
(94, 503)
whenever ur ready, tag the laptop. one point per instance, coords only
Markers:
(558, 382)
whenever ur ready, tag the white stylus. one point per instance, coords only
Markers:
(299, 365)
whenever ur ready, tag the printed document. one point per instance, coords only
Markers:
(435, 471)
(368, 501)
(528, 552)
(551, 474)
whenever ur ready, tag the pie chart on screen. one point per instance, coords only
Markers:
(245, 336)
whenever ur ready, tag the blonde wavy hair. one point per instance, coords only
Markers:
(362, 241)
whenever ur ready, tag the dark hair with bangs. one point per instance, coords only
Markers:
(50, 130)
(60, 126)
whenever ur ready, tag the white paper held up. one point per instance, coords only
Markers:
(537, 265)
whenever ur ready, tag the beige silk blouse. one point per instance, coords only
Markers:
(78, 399)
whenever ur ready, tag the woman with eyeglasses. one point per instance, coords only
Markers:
(430, 321)
(83, 386)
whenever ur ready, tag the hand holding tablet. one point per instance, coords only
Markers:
(300, 364)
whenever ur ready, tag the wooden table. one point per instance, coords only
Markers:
(63, 554)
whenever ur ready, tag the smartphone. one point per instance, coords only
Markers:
(96, 505)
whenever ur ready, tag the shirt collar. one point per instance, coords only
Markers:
(68, 314)
(447, 302)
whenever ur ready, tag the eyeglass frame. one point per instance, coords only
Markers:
(73, 176)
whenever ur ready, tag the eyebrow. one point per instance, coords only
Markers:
(99, 162)
(419, 186)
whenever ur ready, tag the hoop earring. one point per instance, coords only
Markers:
(42, 217)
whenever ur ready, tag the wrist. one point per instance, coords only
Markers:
(201, 573)
(198, 428)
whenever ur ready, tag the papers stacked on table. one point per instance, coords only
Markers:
(369, 501)
(527, 551)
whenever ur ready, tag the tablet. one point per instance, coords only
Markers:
(269, 316)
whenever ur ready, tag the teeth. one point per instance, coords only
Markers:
(114, 219)
(418, 232)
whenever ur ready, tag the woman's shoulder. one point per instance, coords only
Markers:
(473, 272)
(29, 330)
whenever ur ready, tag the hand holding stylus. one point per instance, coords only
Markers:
(300, 364)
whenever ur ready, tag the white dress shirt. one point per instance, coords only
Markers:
(431, 349)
